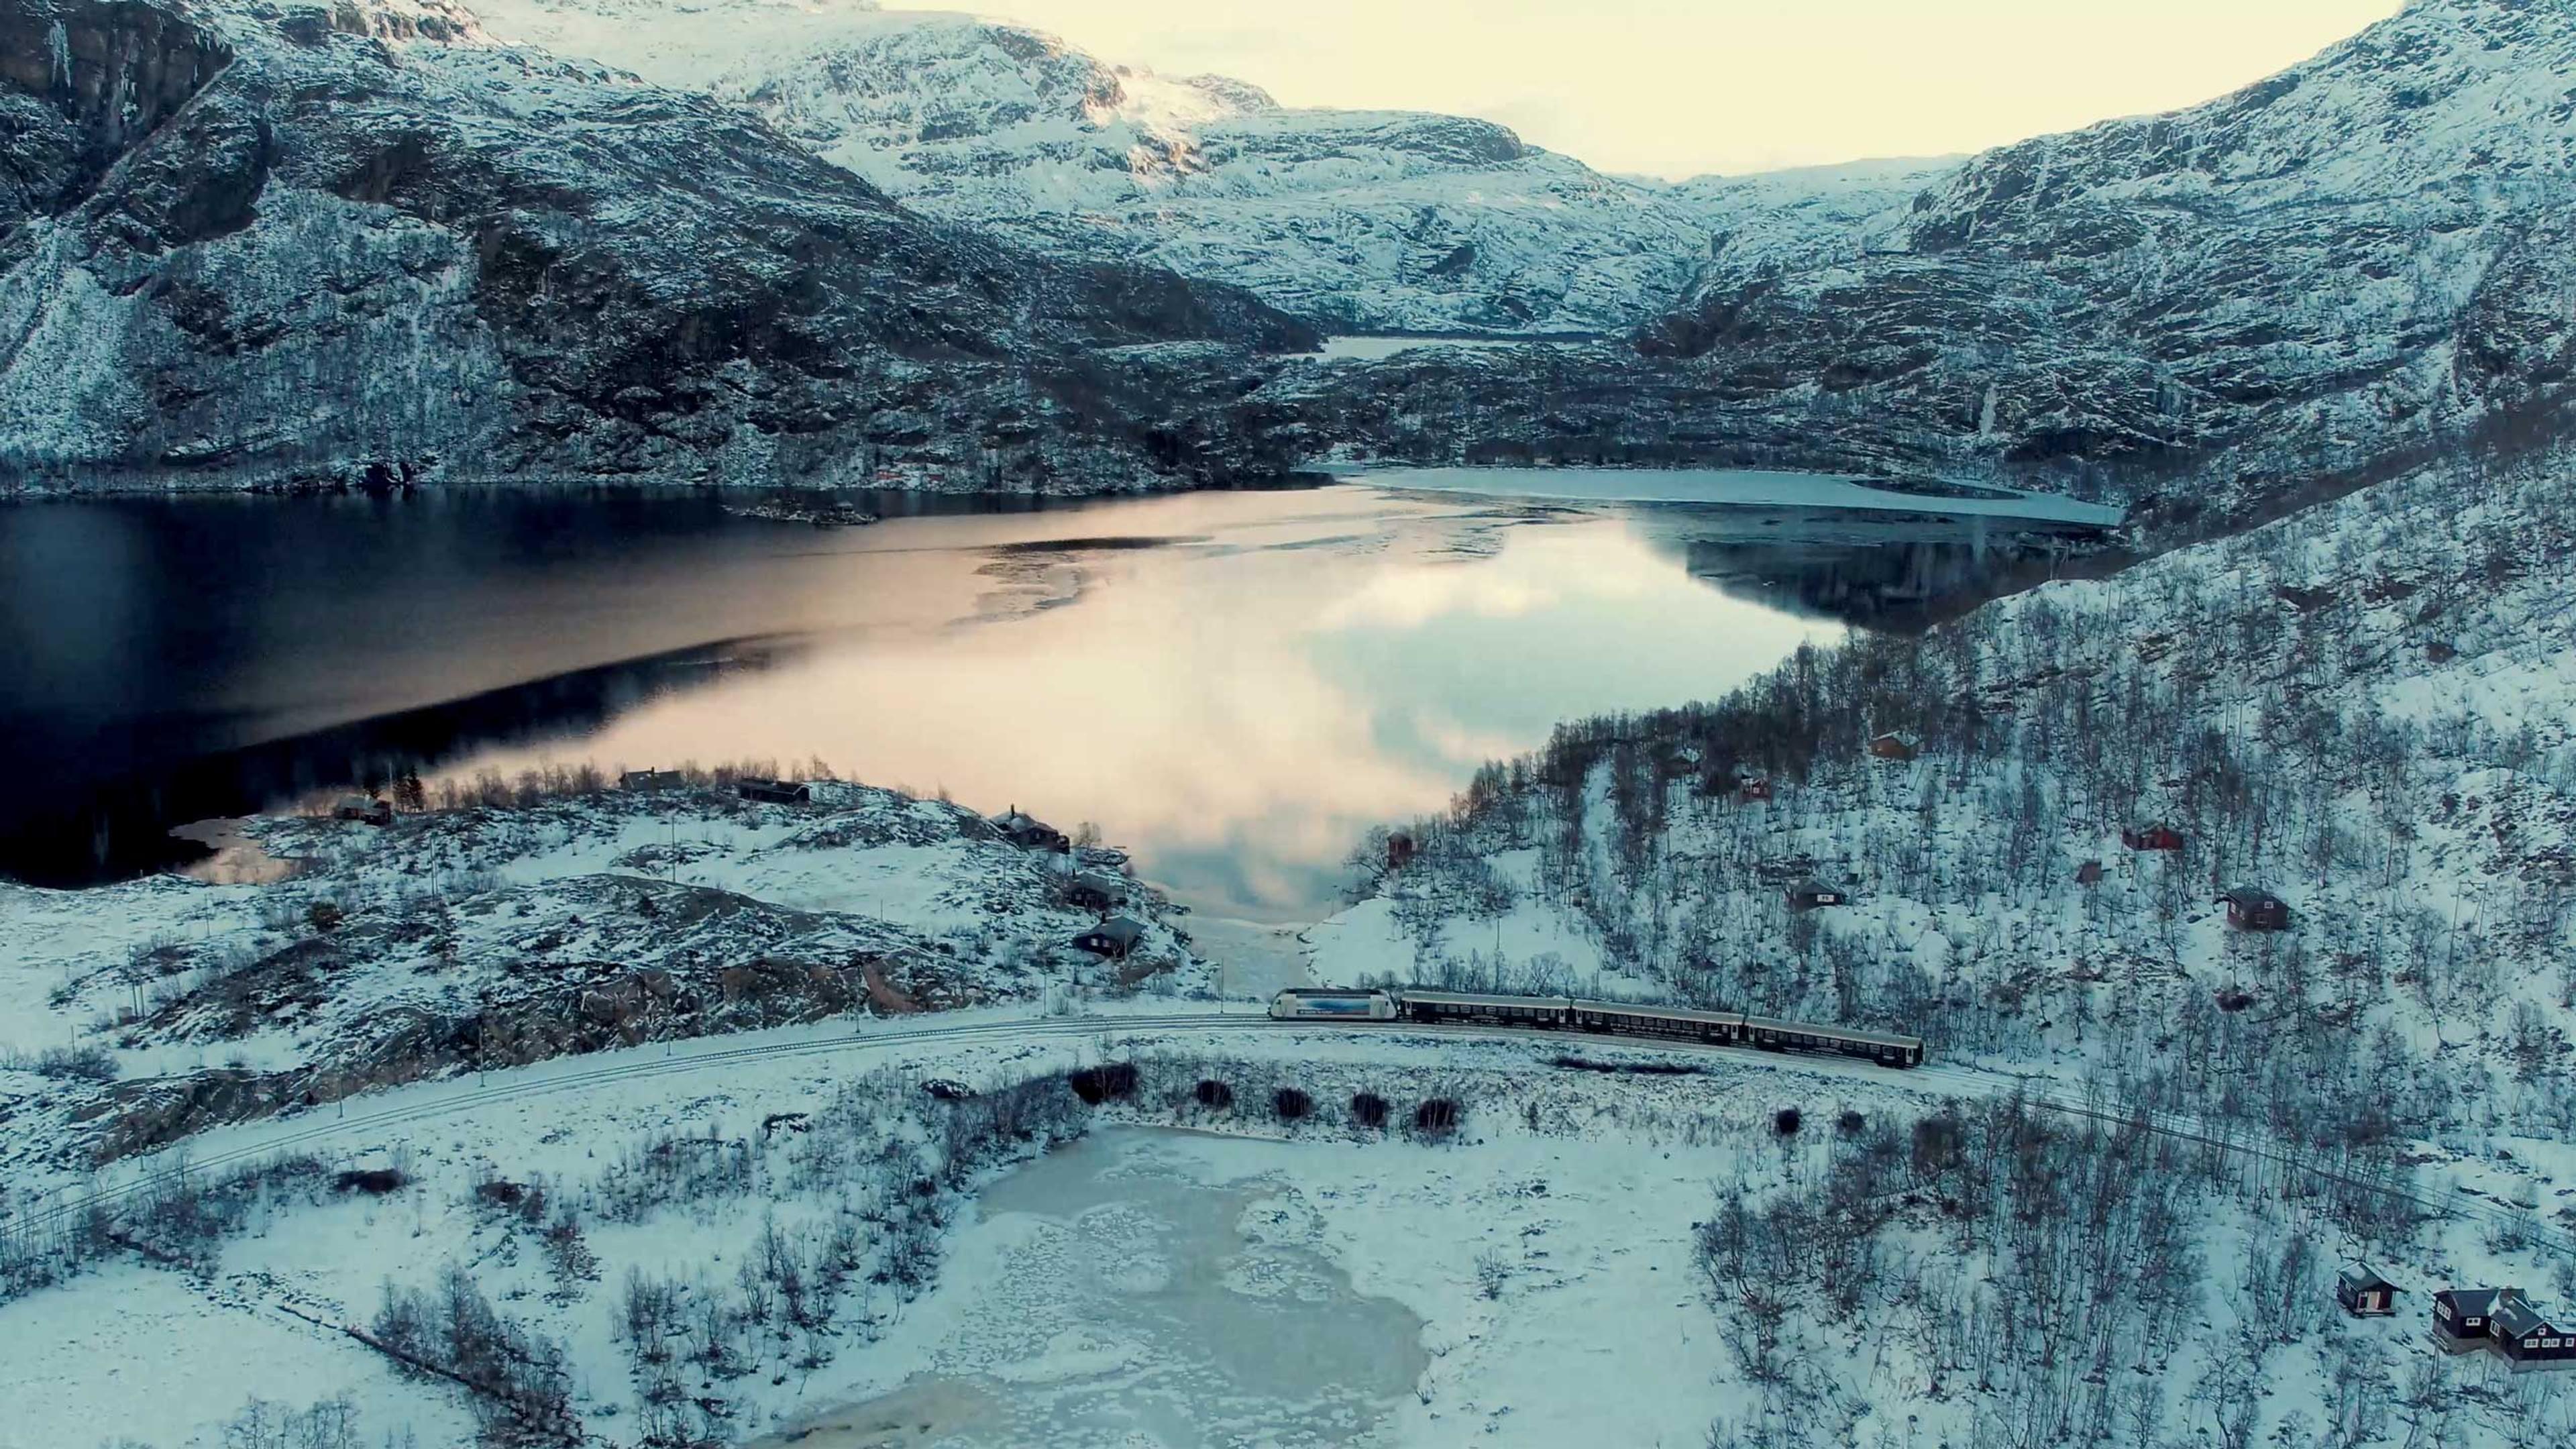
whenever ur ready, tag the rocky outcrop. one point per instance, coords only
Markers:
(305, 251)
(81, 85)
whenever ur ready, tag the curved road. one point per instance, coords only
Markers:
(1933, 1079)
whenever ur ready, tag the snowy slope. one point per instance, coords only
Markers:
(1364, 220)
(2320, 271)
(477, 937)
(2363, 709)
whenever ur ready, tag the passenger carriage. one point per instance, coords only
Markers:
(1724, 1028)
(1771, 1034)
(1455, 1006)
(1610, 1018)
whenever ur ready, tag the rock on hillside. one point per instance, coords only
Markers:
(1363, 220)
(2330, 269)
(258, 246)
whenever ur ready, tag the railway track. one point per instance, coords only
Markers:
(1932, 1079)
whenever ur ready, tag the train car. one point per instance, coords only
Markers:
(1885, 1048)
(1628, 1018)
(1325, 1003)
(1455, 1006)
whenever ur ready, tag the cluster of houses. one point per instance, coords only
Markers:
(2502, 1321)
(1116, 935)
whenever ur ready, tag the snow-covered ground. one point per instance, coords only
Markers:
(1550, 1261)
(482, 936)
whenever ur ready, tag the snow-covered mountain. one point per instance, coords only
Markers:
(1365, 220)
(243, 245)
(2356, 258)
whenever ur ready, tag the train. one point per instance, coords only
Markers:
(1609, 1018)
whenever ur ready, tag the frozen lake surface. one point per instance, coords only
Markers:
(1740, 487)
(1123, 1299)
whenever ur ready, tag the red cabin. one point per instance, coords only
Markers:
(2152, 837)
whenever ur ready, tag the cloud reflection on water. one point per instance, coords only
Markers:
(1236, 704)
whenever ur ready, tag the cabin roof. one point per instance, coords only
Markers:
(2249, 896)
(1125, 930)
(2362, 1280)
(1814, 888)
(2474, 1302)
(2515, 1315)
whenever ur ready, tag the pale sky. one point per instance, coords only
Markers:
(1681, 87)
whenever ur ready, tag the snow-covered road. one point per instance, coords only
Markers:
(714, 1057)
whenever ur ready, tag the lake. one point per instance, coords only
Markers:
(1233, 685)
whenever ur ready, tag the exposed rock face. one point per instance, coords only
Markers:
(1364, 220)
(80, 87)
(2359, 256)
(299, 250)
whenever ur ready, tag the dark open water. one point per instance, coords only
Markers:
(1234, 685)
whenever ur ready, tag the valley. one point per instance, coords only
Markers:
(683, 677)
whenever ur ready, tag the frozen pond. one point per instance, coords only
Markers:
(1112, 1296)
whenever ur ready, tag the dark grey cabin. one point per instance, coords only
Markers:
(2460, 1316)
(2250, 908)
(363, 808)
(1094, 891)
(1030, 833)
(774, 792)
(2527, 1340)
(1113, 938)
(2364, 1294)
(1807, 895)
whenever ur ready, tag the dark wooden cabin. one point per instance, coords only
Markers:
(1030, 833)
(1112, 938)
(2250, 908)
(2364, 1294)
(1807, 895)
(2151, 837)
(652, 780)
(1094, 891)
(365, 809)
(774, 792)
(1749, 788)
(2460, 1316)
(2527, 1340)
(1895, 745)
